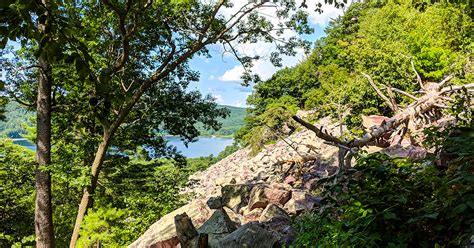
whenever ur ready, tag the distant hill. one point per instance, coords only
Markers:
(230, 125)
(17, 117)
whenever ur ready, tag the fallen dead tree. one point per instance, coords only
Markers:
(426, 109)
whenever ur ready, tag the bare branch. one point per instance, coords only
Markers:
(444, 81)
(379, 92)
(405, 93)
(418, 78)
(457, 87)
(392, 99)
(318, 131)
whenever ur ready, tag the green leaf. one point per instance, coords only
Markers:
(389, 216)
(460, 208)
(431, 216)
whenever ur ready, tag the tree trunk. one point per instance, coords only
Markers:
(43, 207)
(89, 191)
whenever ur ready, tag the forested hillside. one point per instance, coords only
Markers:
(17, 118)
(382, 201)
(379, 41)
(230, 125)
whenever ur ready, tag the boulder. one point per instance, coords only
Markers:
(262, 195)
(273, 212)
(162, 234)
(187, 234)
(252, 215)
(301, 201)
(235, 196)
(235, 217)
(249, 235)
(218, 226)
(275, 219)
(215, 202)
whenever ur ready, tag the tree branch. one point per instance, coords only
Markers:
(379, 92)
(319, 131)
(418, 78)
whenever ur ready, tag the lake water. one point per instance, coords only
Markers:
(205, 146)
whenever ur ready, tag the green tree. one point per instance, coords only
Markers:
(380, 40)
(123, 67)
(16, 194)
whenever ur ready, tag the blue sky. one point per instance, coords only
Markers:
(220, 75)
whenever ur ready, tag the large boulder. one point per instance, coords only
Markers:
(262, 195)
(273, 212)
(301, 201)
(235, 196)
(250, 235)
(276, 220)
(217, 227)
(162, 234)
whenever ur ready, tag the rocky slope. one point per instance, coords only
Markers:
(242, 195)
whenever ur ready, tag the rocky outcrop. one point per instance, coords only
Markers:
(250, 235)
(272, 164)
(217, 227)
(251, 200)
(244, 194)
(162, 234)
(262, 195)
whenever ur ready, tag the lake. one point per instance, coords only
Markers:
(204, 147)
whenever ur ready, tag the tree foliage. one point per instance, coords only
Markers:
(380, 40)
(400, 203)
(16, 195)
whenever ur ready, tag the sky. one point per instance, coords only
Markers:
(220, 74)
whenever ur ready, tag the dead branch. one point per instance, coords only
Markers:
(379, 92)
(418, 78)
(445, 80)
(424, 110)
(404, 93)
(318, 131)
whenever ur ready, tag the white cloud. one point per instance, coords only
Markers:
(212, 77)
(329, 12)
(263, 67)
(233, 75)
(218, 99)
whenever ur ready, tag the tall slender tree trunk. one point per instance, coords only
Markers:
(89, 191)
(43, 208)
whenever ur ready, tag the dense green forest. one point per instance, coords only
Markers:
(380, 202)
(230, 125)
(17, 119)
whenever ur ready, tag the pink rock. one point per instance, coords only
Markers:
(253, 215)
(373, 120)
(290, 180)
(262, 195)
